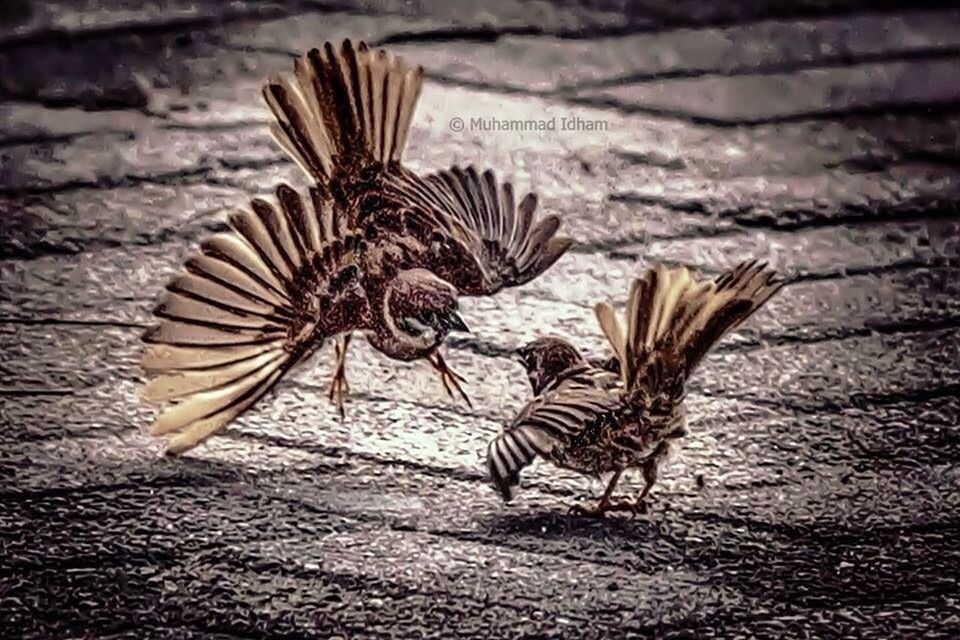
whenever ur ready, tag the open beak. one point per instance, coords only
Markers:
(456, 323)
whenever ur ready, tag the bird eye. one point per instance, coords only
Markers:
(412, 325)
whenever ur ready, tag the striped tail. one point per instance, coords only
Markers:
(563, 415)
(349, 109)
(673, 319)
(232, 324)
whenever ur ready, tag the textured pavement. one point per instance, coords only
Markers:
(818, 493)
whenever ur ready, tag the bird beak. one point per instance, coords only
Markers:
(520, 356)
(456, 323)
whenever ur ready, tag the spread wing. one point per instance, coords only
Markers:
(250, 305)
(344, 116)
(345, 111)
(674, 317)
(546, 426)
(483, 241)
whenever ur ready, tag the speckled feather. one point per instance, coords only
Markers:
(628, 413)
(375, 249)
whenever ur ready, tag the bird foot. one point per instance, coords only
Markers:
(606, 506)
(450, 379)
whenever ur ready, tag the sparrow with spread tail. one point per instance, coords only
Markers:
(628, 412)
(375, 249)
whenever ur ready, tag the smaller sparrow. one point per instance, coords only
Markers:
(628, 412)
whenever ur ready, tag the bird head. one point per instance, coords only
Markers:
(423, 308)
(545, 359)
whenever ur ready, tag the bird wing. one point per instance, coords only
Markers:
(674, 317)
(344, 116)
(251, 304)
(482, 241)
(345, 110)
(553, 419)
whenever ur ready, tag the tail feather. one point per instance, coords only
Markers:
(231, 325)
(349, 108)
(673, 318)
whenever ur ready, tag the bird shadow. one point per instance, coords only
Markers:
(560, 523)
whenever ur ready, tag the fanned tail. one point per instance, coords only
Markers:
(234, 322)
(350, 108)
(674, 318)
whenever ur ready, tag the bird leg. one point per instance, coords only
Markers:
(339, 386)
(606, 503)
(651, 469)
(448, 377)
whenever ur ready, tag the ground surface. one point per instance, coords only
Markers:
(824, 136)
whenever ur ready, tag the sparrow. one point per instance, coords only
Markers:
(373, 248)
(628, 412)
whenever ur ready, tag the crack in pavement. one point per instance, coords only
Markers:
(913, 209)
(827, 61)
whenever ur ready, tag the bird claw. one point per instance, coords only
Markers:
(605, 506)
(339, 387)
(580, 510)
(449, 378)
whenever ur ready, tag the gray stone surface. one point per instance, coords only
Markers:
(818, 493)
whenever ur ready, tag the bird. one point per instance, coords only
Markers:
(627, 412)
(372, 248)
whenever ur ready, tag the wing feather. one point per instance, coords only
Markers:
(550, 420)
(674, 318)
(246, 310)
(345, 108)
(508, 244)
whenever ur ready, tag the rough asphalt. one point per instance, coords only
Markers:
(818, 494)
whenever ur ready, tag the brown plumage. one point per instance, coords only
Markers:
(375, 248)
(628, 412)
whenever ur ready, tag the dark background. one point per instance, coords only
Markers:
(821, 135)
